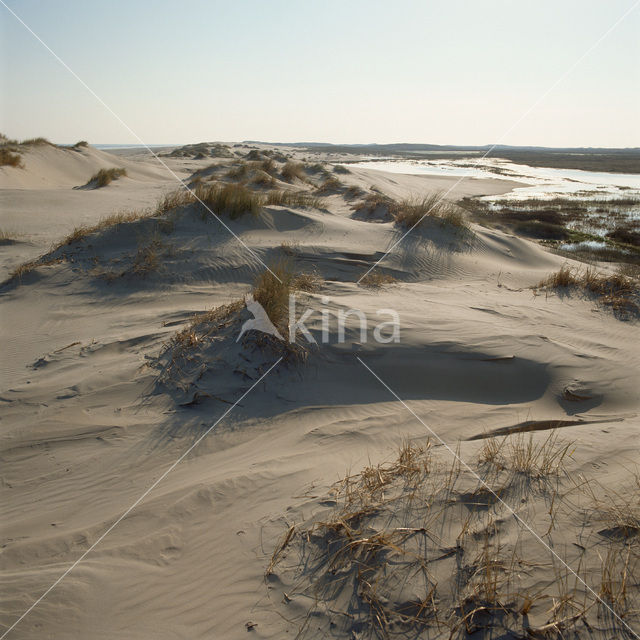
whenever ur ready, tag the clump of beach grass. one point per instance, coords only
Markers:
(10, 159)
(376, 203)
(182, 346)
(233, 200)
(339, 168)
(22, 270)
(273, 287)
(288, 198)
(174, 199)
(147, 258)
(292, 170)
(268, 166)
(308, 282)
(616, 290)
(380, 557)
(410, 212)
(7, 237)
(81, 232)
(106, 176)
(522, 454)
(290, 249)
(354, 191)
(238, 172)
(36, 142)
(376, 279)
(330, 184)
(263, 179)
(16, 274)
(617, 510)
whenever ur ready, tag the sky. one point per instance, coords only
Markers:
(470, 72)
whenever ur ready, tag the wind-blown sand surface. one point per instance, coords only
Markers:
(87, 427)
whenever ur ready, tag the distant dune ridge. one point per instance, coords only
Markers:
(321, 505)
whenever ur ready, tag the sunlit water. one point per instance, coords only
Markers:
(540, 183)
(537, 182)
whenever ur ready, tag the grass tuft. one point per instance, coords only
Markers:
(35, 142)
(618, 290)
(239, 172)
(233, 200)
(273, 288)
(9, 159)
(293, 170)
(263, 179)
(376, 279)
(410, 212)
(285, 198)
(330, 184)
(147, 258)
(174, 199)
(81, 232)
(523, 455)
(106, 176)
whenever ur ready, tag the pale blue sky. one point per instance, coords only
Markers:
(444, 72)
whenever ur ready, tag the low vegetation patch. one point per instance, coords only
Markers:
(410, 212)
(6, 237)
(616, 290)
(16, 275)
(239, 172)
(233, 200)
(147, 258)
(354, 191)
(11, 150)
(292, 170)
(268, 166)
(263, 179)
(290, 249)
(617, 511)
(317, 167)
(376, 279)
(273, 287)
(339, 168)
(106, 176)
(36, 142)
(286, 198)
(421, 547)
(221, 345)
(81, 232)
(375, 207)
(10, 159)
(330, 184)
(599, 228)
(174, 199)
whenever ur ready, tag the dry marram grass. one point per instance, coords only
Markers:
(376, 279)
(616, 290)
(408, 551)
(106, 176)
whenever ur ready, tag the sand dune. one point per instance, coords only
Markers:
(91, 416)
(48, 166)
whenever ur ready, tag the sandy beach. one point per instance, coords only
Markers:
(506, 410)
